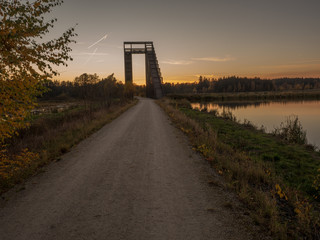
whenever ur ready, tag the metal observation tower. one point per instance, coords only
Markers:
(153, 74)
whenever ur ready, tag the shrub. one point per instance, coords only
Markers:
(291, 130)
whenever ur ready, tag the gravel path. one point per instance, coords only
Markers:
(136, 178)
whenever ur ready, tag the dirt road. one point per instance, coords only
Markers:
(136, 178)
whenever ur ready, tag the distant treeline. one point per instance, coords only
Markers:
(241, 84)
(92, 88)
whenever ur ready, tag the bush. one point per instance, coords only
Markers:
(291, 130)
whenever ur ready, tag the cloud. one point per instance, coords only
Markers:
(176, 62)
(304, 68)
(215, 59)
(180, 78)
(310, 73)
(298, 65)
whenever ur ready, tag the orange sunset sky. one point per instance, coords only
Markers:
(250, 38)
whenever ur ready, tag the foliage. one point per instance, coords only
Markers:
(280, 192)
(111, 89)
(91, 87)
(86, 79)
(129, 90)
(16, 99)
(26, 59)
(15, 164)
(86, 85)
(291, 131)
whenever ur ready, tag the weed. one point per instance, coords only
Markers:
(228, 115)
(291, 130)
(184, 103)
(281, 193)
(214, 112)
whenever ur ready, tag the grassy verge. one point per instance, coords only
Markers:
(279, 95)
(276, 180)
(50, 136)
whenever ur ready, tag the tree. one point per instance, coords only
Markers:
(129, 90)
(26, 59)
(86, 79)
(86, 83)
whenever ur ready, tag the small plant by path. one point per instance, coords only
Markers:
(291, 131)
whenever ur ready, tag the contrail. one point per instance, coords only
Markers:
(90, 57)
(103, 38)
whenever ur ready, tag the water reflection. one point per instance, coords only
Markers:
(243, 104)
(271, 113)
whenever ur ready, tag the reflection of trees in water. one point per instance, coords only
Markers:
(236, 105)
(242, 104)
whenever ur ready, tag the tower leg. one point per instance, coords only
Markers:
(128, 67)
(149, 85)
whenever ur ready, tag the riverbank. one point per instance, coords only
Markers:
(50, 135)
(270, 95)
(278, 181)
(270, 115)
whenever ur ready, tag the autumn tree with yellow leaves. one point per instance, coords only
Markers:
(26, 61)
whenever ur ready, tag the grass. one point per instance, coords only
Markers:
(275, 179)
(50, 136)
(294, 163)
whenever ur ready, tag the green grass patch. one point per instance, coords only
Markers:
(296, 164)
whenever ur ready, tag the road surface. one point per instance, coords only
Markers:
(136, 178)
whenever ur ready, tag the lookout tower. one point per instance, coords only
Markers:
(153, 74)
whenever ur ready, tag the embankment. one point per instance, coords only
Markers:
(278, 181)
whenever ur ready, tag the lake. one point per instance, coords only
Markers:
(271, 114)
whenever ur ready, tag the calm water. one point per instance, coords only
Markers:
(271, 114)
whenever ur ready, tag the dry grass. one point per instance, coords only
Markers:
(255, 182)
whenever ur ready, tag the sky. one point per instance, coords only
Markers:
(252, 38)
